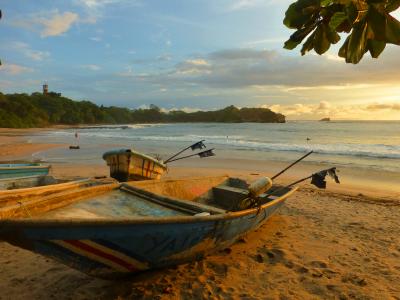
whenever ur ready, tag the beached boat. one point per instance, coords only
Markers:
(31, 182)
(23, 169)
(127, 165)
(119, 229)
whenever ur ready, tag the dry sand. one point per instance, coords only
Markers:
(321, 245)
(15, 144)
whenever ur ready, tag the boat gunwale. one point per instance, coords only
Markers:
(76, 222)
(42, 187)
(21, 178)
(26, 167)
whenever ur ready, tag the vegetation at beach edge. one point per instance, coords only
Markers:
(38, 110)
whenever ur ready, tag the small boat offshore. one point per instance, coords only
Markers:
(127, 164)
(117, 229)
(13, 170)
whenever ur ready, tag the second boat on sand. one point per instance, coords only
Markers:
(127, 164)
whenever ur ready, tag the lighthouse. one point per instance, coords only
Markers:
(45, 89)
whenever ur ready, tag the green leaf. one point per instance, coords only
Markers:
(392, 30)
(344, 27)
(377, 24)
(351, 12)
(376, 47)
(392, 5)
(308, 44)
(310, 9)
(343, 49)
(325, 3)
(295, 17)
(333, 36)
(290, 44)
(357, 43)
(337, 19)
(300, 34)
(321, 42)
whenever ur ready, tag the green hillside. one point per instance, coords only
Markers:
(38, 110)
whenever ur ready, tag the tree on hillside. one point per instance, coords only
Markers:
(367, 25)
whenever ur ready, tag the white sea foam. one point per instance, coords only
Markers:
(359, 150)
(327, 139)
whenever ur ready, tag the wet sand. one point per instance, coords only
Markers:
(340, 243)
(15, 144)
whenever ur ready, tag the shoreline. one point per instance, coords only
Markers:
(16, 144)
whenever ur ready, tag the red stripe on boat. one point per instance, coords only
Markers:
(148, 168)
(100, 253)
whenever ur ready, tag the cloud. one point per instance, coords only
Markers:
(92, 67)
(246, 68)
(127, 73)
(381, 106)
(95, 9)
(243, 54)
(335, 111)
(28, 52)
(323, 105)
(48, 23)
(193, 67)
(58, 24)
(102, 3)
(281, 40)
(197, 62)
(246, 4)
(164, 57)
(95, 39)
(14, 69)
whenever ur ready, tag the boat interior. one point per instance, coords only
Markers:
(165, 198)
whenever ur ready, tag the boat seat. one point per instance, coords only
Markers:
(231, 189)
(190, 207)
(229, 197)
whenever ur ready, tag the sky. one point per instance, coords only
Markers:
(188, 54)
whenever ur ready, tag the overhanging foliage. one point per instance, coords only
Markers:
(367, 23)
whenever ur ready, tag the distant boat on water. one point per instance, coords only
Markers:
(13, 170)
(325, 120)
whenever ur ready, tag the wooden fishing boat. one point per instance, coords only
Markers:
(23, 170)
(119, 229)
(127, 164)
(31, 182)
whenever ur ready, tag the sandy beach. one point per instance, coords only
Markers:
(339, 243)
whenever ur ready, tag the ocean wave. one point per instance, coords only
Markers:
(239, 142)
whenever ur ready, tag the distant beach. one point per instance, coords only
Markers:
(341, 243)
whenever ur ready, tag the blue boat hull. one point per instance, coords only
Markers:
(105, 250)
(22, 170)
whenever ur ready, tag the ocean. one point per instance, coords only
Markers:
(361, 144)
